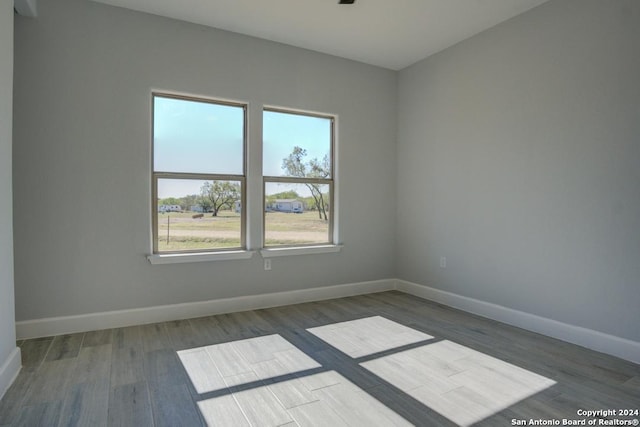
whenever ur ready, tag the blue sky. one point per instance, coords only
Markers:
(200, 137)
(281, 132)
(197, 137)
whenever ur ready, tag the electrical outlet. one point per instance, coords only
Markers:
(443, 262)
(267, 264)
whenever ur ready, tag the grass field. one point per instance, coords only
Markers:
(180, 231)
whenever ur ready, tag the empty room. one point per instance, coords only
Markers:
(319, 212)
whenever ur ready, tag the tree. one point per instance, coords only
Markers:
(294, 165)
(204, 203)
(189, 201)
(170, 201)
(217, 195)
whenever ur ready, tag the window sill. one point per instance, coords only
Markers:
(300, 250)
(198, 257)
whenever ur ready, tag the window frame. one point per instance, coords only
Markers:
(157, 175)
(331, 238)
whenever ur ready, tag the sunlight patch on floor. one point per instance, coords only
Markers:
(268, 381)
(462, 384)
(218, 366)
(370, 335)
(323, 399)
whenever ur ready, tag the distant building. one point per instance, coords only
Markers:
(169, 208)
(288, 205)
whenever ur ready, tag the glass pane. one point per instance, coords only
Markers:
(197, 137)
(198, 215)
(295, 145)
(296, 214)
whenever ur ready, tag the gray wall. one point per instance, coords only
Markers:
(7, 313)
(84, 72)
(519, 160)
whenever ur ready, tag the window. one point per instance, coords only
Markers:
(198, 177)
(298, 170)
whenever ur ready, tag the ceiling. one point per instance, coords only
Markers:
(388, 33)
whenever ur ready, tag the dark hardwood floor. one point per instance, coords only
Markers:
(403, 360)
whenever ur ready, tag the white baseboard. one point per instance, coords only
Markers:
(594, 340)
(138, 316)
(9, 370)
(599, 341)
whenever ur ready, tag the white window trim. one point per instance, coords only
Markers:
(186, 257)
(299, 250)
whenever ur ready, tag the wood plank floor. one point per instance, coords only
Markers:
(380, 359)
